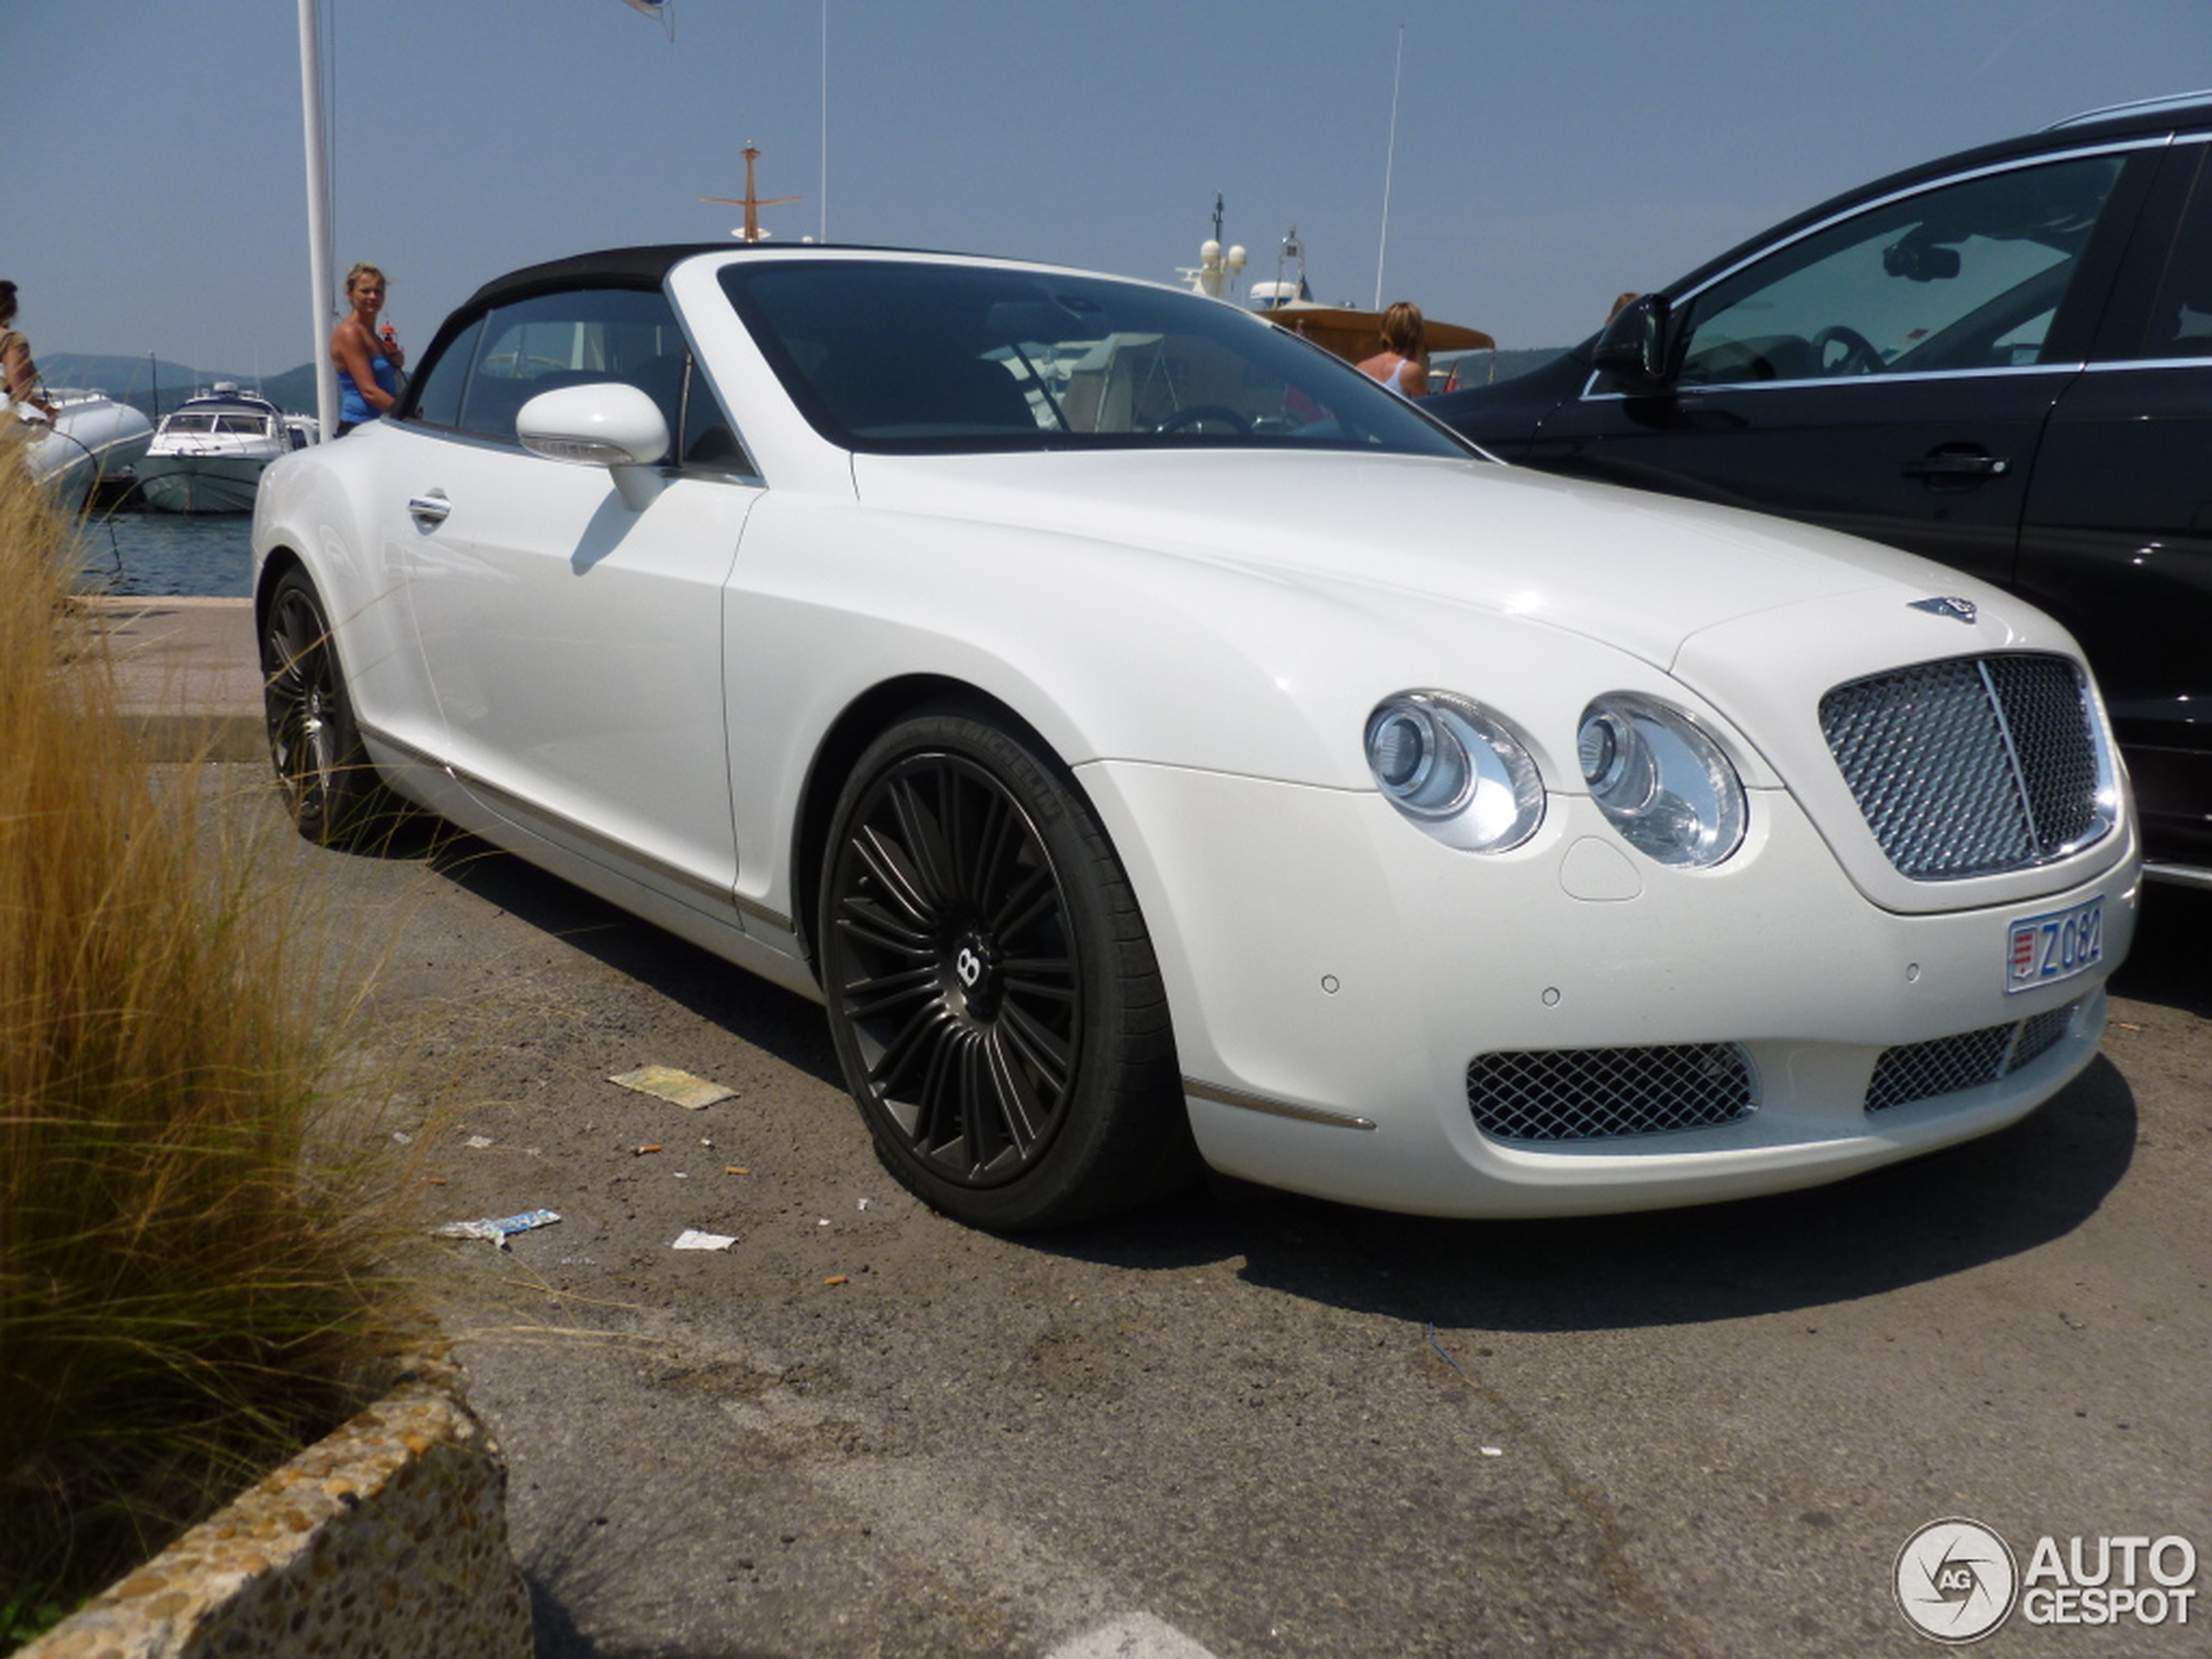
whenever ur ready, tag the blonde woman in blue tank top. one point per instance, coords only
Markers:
(368, 362)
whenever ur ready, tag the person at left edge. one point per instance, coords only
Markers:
(18, 374)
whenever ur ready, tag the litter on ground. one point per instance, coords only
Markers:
(496, 1228)
(691, 1238)
(693, 1094)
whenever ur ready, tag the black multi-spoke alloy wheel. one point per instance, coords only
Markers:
(329, 784)
(993, 993)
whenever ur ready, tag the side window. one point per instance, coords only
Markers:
(706, 440)
(2181, 315)
(567, 339)
(437, 388)
(1967, 275)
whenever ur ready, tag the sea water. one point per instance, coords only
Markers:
(206, 554)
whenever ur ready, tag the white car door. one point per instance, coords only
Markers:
(574, 644)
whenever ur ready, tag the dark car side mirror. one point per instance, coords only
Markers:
(1632, 348)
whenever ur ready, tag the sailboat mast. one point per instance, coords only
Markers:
(1390, 160)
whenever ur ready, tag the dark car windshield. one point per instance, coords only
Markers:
(899, 356)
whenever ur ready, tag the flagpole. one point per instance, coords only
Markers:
(824, 227)
(321, 266)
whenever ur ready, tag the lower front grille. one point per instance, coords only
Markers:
(1596, 1094)
(1922, 1071)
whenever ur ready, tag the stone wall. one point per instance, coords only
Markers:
(388, 1538)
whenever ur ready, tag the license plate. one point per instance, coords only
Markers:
(2042, 950)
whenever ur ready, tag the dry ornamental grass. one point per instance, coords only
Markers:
(191, 1219)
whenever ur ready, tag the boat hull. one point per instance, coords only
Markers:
(90, 438)
(201, 484)
(208, 453)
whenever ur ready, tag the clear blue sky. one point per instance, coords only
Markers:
(1548, 154)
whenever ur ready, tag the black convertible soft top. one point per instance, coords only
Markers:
(616, 267)
(630, 268)
(644, 267)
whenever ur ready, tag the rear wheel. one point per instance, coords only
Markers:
(992, 991)
(330, 786)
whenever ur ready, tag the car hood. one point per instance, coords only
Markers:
(1640, 572)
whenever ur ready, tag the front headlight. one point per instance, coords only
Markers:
(1456, 769)
(1660, 781)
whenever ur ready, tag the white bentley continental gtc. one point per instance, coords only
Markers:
(1155, 742)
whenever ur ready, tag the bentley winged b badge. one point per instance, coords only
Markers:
(1948, 605)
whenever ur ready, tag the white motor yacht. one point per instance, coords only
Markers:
(207, 454)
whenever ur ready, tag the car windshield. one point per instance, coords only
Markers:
(899, 356)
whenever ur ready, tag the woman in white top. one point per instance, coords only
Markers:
(1402, 365)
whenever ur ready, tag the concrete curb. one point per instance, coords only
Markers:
(389, 1537)
(188, 677)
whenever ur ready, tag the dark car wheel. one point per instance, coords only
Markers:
(330, 786)
(992, 991)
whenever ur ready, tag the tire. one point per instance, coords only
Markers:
(330, 786)
(993, 996)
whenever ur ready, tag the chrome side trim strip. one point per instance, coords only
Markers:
(529, 814)
(1274, 1108)
(2115, 365)
(1718, 388)
(2180, 876)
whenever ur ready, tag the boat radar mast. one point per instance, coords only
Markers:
(752, 201)
(1217, 266)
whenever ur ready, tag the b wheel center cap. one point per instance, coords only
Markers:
(975, 976)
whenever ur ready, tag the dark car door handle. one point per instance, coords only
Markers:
(1958, 466)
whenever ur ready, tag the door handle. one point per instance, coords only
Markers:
(1954, 467)
(431, 509)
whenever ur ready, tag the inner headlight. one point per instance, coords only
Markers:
(1660, 781)
(1456, 769)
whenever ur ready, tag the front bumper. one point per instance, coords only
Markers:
(1333, 972)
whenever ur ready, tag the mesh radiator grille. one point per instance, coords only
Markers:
(1973, 766)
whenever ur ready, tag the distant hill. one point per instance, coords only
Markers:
(140, 381)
